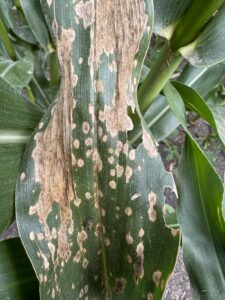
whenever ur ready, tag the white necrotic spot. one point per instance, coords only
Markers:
(32, 236)
(77, 257)
(76, 144)
(175, 232)
(149, 144)
(152, 214)
(112, 172)
(77, 202)
(111, 160)
(85, 263)
(105, 138)
(85, 127)
(88, 196)
(107, 242)
(88, 142)
(22, 176)
(54, 233)
(141, 233)
(119, 170)
(103, 212)
(73, 286)
(49, 2)
(110, 150)
(156, 277)
(132, 155)
(135, 196)
(40, 236)
(40, 125)
(128, 211)
(112, 184)
(80, 163)
(81, 60)
(128, 174)
(129, 259)
(53, 293)
(81, 294)
(149, 296)
(86, 289)
(98, 85)
(129, 239)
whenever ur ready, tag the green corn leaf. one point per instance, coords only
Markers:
(17, 278)
(208, 48)
(35, 19)
(89, 206)
(213, 114)
(17, 73)
(200, 214)
(18, 120)
(166, 15)
(203, 79)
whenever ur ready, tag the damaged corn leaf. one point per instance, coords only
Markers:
(89, 206)
(200, 213)
(17, 122)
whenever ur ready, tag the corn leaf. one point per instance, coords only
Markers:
(17, 278)
(166, 15)
(18, 120)
(200, 214)
(208, 48)
(89, 206)
(17, 73)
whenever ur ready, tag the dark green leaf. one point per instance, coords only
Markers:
(167, 13)
(17, 278)
(200, 215)
(18, 120)
(33, 13)
(18, 74)
(208, 48)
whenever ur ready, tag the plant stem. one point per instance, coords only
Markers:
(161, 71)
(6, 40)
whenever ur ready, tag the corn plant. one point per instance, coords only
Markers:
(88, 89)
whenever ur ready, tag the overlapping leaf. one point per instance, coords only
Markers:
(200, 214)
(208, 48)
(89, 207)
(18, 120)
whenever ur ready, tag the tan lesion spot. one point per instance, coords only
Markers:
(138, 266)
(130, 22)
(152, 213)
(52, 153)
(120, 285)
(156, 277)
(86, 12)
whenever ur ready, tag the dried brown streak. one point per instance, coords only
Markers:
(52, 154)
(120, 25)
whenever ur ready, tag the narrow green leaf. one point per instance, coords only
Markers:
(200, 216)
(17, 278)
(33, 13)
(89, 206)
(213, 114)
(208, 48)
